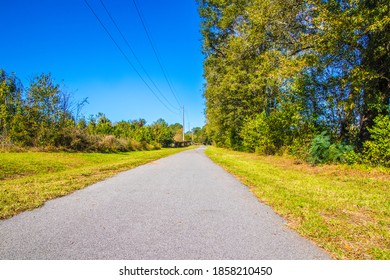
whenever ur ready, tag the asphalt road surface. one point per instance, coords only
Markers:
(180, 207)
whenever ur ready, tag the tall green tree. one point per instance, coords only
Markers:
(10, 103)
(326, 60)
(45, 115)
(251, 49)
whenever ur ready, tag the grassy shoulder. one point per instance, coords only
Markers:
(344, 210)
(28, 179)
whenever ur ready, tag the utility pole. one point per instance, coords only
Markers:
(183, 123)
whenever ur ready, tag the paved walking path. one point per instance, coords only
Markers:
(180, 207)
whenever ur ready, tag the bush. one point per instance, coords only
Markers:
(272, 133)
(134, 145)
(157, 146)
(377, 150)
(338, 152)
(80, 140)
(109, 143)
(319, 149)
(351, 157)
(323, 151)
(301, 143)
(256, 135)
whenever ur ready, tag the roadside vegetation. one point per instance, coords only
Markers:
(308, 78)
(344, 209)
(45, 117)
(308, 82)
(48, 148)
(28, 179)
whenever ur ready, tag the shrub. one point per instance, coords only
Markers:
(301, 143)
(134, 145)
(319, 149)
(323, 151)
(352, 157)
(109, 143)
(256, 135)
(338, 152)
(80, 141)
(377, 150)
(157, 146)
(273, 132)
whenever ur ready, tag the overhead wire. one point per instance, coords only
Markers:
(126, 57)
(154, 50)
(135, 55)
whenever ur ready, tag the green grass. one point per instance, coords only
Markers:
(344, 210)
(29, 179)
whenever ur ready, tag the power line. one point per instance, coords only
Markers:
(125, 56)
(154, 50)
(134, 54)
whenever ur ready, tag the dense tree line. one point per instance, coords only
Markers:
(310, 78)
(46, 117)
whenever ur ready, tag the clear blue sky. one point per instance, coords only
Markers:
(65, 39)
